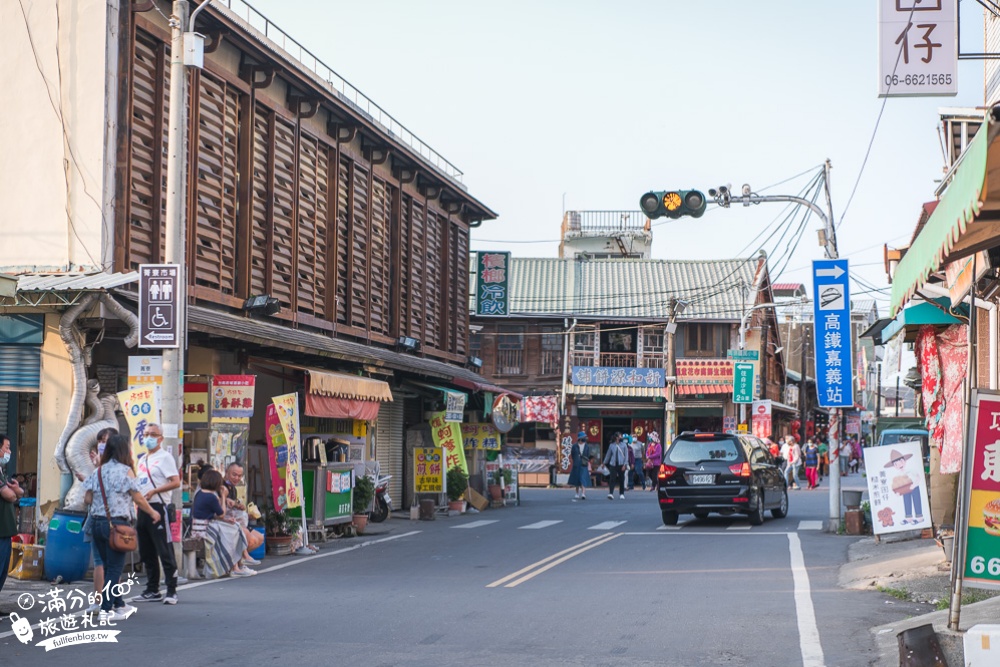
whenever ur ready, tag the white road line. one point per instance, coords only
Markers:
(541, 524)
(607, 525)
(812, 650)
(282, 566)
(810, 525)
(739, 526)
(477, 524)
(545, 560)
(604, 539)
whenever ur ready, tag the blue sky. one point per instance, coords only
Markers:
(597, 102)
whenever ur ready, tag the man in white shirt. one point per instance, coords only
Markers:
(157, 477)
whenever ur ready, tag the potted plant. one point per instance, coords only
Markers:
(364, 492)
(496, 485)
(458, 482)
(277, 533)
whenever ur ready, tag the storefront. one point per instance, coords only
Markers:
(602, 420)
(20, 374)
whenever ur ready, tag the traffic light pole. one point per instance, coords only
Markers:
(724, 198)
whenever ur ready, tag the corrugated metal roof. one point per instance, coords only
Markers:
(632, 392)
(630, 288)
(80, 282)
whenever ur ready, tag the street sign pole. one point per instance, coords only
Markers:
(832, 253)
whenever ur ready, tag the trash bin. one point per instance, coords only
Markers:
(851, 499)
(427, 510)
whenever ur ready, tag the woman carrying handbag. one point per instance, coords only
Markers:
(111, 490)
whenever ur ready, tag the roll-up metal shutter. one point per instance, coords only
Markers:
(4, 403)
(20, 367)
(389, 446)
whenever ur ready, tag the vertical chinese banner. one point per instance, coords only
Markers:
(277, 455)
(141, 408)
(428, 472)
(448, 436)
(492, 279)
(982, 489)
(287, 407)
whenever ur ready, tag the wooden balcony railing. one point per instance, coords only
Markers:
(618, 359)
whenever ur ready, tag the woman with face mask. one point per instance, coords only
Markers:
(10, 494)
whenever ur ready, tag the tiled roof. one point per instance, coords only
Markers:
(787, 287)
(630, 288)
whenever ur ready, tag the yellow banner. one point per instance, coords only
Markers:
(448, 436)
(287, 407)
(141, 408)
(428, 473)
(481, 436)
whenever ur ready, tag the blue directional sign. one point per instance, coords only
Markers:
(832, 331)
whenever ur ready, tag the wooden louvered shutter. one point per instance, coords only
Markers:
(360, 238)
(432, 302)
(312, 211)
(260, 225)
(460, 282)
(282, 216)
(214, 200)
(405, 269)
(147, 158)
(378, 273)
(418, 273)
(343, 239)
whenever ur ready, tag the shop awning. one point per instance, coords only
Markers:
(479, 385)
(911, 319)
(781, 407)
(875, 331)
(632, 392)
(704, 389)
(966, 220)
(341, 385)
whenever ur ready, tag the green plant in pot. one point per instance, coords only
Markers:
(458, 482)
(496, 485)
(364, 492)
(277, 533)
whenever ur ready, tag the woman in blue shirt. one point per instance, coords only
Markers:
(224, 540)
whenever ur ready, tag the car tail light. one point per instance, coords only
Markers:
(741, 500)
(666, 471)
(740, 469)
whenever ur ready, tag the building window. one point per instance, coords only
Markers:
(475, 347)
(699, 341)
(552, 349)
(652, 347)
(582, 346)
(510, 351)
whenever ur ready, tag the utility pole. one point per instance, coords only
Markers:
(803, 411)
(176, 226)
(670, 414)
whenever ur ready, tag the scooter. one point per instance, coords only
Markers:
(382, 503)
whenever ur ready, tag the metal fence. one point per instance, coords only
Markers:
(604, 221)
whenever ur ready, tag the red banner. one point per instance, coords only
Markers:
(592, 427)
(277, 455)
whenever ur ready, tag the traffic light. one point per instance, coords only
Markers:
(673, 204)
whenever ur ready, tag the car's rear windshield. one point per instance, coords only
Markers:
(693, 451)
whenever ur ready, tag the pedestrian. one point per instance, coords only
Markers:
(579, 475)
(111, 490)
(654, 457)
(810, 456)
(630, 469)
(773, 448)
(845, 457)
(157, 477)
(793, 458)
(639, 472)
(88, 529)
(824, 459)
(10, 494)
(616, 459)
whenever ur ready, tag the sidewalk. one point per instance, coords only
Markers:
(917, 569)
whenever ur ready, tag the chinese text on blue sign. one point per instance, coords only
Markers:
(607, 376)
(832, 331)
(492, 283)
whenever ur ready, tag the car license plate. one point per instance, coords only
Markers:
(702, 479)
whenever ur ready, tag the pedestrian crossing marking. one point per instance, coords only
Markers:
(477, 524)
(607, 525)
(541, 524)
(810, 525)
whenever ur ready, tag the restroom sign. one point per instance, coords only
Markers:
(159, 321)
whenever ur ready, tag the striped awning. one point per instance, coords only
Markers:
(704, 388)
(631, 392)
(341, 385)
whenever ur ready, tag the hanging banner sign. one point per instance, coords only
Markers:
(917, 48)
(896, 488)
(982, 493)
(428, 471)
(760, 419)
(142, 408)
(832, 333)
(448, 436)
(287, 406)
(232, 396)
(480, 436)
(455, 405)
(277, 456)
(742, 382)
(195, 402)
(610, 376)
(492, 284)
(145, 369)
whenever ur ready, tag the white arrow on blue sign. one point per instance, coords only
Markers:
(832, 333)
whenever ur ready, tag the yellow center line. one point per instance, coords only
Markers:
(498, 582)
(606, 538)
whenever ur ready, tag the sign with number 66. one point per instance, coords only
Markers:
(978, 565)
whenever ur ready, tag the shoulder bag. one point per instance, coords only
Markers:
(121, 538)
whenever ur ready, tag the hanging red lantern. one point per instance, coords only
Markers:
(796, 425)
(810, 428)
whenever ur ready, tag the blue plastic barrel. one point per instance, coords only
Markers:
(66, 554)
(259, 552)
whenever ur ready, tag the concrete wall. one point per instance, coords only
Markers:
(55, 396)
(55, 183)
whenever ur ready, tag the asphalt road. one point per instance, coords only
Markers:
(552, 582)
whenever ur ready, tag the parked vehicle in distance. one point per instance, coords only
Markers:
(720, 472)
(893, 436)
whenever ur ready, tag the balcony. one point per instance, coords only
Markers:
(619, 359)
